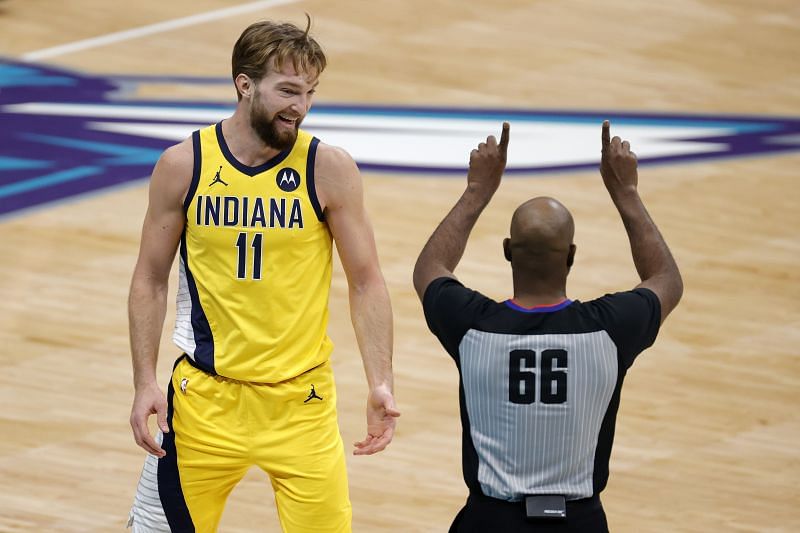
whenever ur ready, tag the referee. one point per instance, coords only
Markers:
(540, 374)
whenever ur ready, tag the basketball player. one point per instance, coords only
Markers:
(254, 204)
(540, 374)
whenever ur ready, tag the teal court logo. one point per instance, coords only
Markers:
(67, 133)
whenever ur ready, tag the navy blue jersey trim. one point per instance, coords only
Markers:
(241, 167)
(539, 308)
(203, 338)
(198, 161)
(169, 480)
(312, 188)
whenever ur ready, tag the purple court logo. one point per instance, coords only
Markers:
(66, 133)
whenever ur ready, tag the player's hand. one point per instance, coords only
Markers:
(381, 421)
(148, 401)
(487, 163)
(618, 165)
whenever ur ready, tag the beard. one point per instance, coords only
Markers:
(266, 129)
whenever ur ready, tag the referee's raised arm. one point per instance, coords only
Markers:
(654, 262)
(445, 247)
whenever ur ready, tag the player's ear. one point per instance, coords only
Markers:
(244, 85)
(571, 255)
(507, 249)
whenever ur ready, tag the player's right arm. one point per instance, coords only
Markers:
(654, 262)
(147, 302)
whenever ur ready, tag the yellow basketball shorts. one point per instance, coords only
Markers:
(219, 428)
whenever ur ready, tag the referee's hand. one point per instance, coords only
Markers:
(487, 163)
(618, 164)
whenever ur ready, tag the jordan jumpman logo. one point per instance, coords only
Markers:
(217, 179)
(312, 395)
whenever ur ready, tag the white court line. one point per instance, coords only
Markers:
(151, 29)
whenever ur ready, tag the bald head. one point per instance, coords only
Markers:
(540, 248)
(541, 225)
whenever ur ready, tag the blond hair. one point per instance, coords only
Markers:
(266, 44)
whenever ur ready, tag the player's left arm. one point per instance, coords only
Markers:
(341, 195)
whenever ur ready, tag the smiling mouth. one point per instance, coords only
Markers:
(287, 120)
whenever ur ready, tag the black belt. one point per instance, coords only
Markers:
(541, 506)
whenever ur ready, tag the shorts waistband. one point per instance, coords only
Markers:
(186, 357)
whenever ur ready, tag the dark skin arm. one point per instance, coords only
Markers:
(651, 256)
(444, 249)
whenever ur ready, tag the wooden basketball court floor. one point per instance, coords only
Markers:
(709, 429)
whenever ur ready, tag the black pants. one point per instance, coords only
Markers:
(482, 514)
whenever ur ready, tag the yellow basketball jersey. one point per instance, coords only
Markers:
(255, 264)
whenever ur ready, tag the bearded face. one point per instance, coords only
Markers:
(269, 129)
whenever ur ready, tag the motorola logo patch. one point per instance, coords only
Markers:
(288, 179)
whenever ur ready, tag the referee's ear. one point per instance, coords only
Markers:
(507, 249)
(571, 256)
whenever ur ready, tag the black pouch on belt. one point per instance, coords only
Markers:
(546, 506)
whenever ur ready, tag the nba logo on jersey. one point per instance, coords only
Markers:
(288, 179)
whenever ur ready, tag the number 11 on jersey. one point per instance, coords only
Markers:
(242, 249)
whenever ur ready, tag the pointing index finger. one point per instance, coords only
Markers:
(503, 146)
(606, 135)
